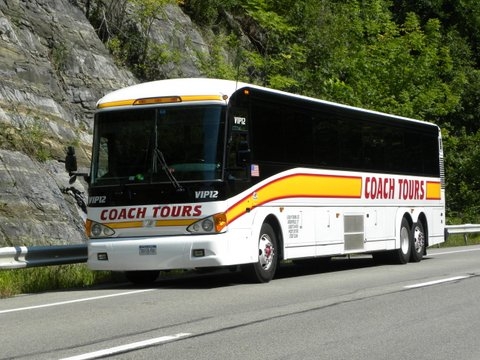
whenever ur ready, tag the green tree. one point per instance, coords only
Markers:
(413, 58)
(276, 54)
(129, 37)
(462, 163)
(360, 56)
(207, 12)
(462, 15)
(149, 54)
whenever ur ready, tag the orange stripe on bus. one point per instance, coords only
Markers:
(116, 103)
(158, 223)
(125, 224)
(299, 185)
(433, 190)
(183, 222)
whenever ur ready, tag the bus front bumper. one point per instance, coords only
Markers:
(167, 253)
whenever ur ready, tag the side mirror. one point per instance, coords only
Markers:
(71, 166)
(71, 160)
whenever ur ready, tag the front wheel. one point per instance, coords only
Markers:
(264, 269)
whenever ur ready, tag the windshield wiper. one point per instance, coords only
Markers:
(160, 159)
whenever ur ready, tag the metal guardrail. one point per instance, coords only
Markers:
(464, 229)
(22, 256)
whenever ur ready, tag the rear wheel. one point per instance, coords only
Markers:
(402, 255)
(398, 256)
(418, 239)
(264, 269)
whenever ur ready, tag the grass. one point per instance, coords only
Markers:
(33, 280)
(459, 240)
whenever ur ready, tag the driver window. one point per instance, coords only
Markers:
(238, 142)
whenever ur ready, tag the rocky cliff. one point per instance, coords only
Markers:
(53, 69)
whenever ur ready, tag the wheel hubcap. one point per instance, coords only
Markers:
(419, 239)
(266, 252)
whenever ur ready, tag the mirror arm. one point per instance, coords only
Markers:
(73, 177)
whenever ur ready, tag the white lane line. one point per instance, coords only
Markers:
(454, 252)
(435, 282)
(127, 347)
(75, 301)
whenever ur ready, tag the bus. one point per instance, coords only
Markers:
(200, 173)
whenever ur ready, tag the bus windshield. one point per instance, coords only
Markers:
(158, 144)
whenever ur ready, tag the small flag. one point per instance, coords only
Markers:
(254, 170)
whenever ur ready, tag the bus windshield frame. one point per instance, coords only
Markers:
(158, 144)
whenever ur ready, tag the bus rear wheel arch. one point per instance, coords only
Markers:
(403, 254)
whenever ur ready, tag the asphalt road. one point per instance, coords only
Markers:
(351, 310)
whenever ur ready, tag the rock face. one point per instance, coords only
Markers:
(53, 69)
(33, 208)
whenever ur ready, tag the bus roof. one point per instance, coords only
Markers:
(205, 89)
(172, 90)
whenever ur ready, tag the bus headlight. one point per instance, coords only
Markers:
(96, 230)
(209, 225)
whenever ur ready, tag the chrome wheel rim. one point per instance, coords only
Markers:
(418, 239)
(266, 252)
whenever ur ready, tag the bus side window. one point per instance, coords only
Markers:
(238, 156)
(243, 154)
(103, 164)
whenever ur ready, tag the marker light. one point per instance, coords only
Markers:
(103, 256)
(198, 252)
(157, 100)
(209, 225)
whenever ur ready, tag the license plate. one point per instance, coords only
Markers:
(147, 249)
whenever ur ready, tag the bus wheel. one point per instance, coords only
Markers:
(264, 269)
(418, 247)
(402, 255)
(142, 277)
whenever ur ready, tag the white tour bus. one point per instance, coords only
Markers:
(192, 173)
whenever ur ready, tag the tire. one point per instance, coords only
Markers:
(264, 269)
(418, 242)
(402, 255)
(142, 277)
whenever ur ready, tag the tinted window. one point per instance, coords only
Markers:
(301, 133)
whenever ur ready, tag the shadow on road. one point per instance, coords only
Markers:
(209, 279)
